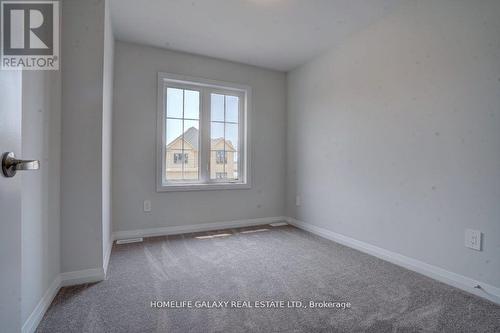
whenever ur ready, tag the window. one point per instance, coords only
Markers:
(220, 157)
(180, 158)
(221, 175)
(202, 134)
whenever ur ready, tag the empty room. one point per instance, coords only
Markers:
(250, 166)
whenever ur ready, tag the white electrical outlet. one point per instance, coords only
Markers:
(297, 200)
(473, 239)
(147, 206)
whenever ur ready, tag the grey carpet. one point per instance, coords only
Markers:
(281, 263)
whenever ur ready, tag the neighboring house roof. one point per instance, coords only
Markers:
(191, 136)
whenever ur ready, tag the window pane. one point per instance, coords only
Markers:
(217, 165)
(232, 165)
(182, 134)
(232, 108)
(220, 157)
(217, 136)
(191, 149)
(174, 131)
(221, 175)
(174, 103)
(191, 104)
(192, 133)
(180, 158)
(191, 170)
(231, 137)
(173, 163)
(217, 107)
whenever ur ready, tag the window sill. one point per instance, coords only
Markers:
(202, 187)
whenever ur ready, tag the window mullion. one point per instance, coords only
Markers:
(182, 142)
(163, 126)
(205, 135)
(224, 158)
(241, 139)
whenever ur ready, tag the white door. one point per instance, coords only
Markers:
(10, 203)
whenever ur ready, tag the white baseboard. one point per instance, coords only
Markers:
(62, 280)
(81, 277)
(464, 283)
(182, 229)
(36, 316)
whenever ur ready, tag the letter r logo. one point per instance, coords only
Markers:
(27, 28)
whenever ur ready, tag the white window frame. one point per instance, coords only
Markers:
(206, 87)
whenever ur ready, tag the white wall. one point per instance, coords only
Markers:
(107, 118)
(393, 136)
(41, 135)
(134, 146)
(82, 61)
(82, 239)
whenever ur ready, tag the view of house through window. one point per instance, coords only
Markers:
(202, 134)
(182, 128)
(224, 132)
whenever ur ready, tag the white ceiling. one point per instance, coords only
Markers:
(276, 34)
